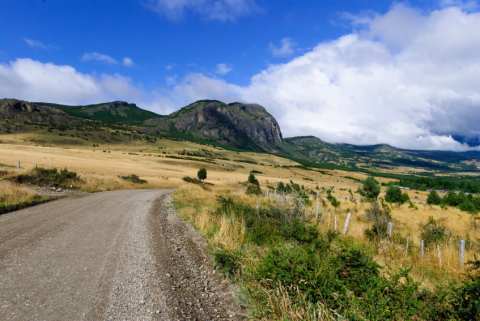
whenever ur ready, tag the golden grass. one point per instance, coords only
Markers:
(100, 168)
(11, 193)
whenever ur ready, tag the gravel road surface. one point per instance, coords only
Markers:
(120, 255)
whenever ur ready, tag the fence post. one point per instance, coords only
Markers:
(406, 246)
(18, 165)
(461, 255)
(422, 248)
(439, 255)
(335, 222)
(389, 229)
(347, 223)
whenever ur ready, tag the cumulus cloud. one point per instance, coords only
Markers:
(285, 48)
(36, 81)
(223, 69)
(220, 10)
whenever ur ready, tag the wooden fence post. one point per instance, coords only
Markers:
(335, 222)
(461, 254)
(347, 223)
(389, 229)
(439, 255)
(422, 248)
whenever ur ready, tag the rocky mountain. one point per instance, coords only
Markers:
(18, 115)
(236, 125)
(242, 126)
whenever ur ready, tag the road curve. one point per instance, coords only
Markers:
(102, 257)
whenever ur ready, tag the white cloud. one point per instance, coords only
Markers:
(220, 10)
(127, 62)
(223, 69)
(36, 81)
(36, 44)
(286, 48)
(99, 57)
(467, 5)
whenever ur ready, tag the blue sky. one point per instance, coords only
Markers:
(405, 73)
(163, 46)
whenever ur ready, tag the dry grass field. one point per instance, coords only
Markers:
(165, 163)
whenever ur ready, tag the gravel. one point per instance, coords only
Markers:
(109, 256)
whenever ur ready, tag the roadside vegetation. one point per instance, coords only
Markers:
(287, 251)
(134, 179)
(50, 177)
(14, 197)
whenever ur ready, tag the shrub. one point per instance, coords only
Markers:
(134, 179)
(433, 198)
(253, 185)
(380, 216)
(394, 195)
(332, 199)
(49, 177)
(433, 232)
(252, 179)
(202, 174)
(370, 189)
(227, 261)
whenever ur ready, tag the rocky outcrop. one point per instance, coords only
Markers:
(245, 126)
(17, 115)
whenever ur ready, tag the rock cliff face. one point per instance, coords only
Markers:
(246, 126)
(16, 115)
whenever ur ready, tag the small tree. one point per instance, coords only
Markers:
(253, 185)
(380, 216)
(202, 174)
(433, 198)
(252, 179)
(394, 195)
(370, 189)
(433, 232)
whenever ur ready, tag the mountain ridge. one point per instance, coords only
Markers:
(234, 125)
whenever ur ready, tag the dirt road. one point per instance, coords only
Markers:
(110, 256)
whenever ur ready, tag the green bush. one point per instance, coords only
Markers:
(49, 177)
(370, 189)
(394, 195)
(227, 261)
(134, 179)
(433, 232)
(202, 174)
(433, 198)
(380, 217)
(332, 199)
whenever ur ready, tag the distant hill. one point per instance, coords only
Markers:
(239, 126)
(119, 112)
